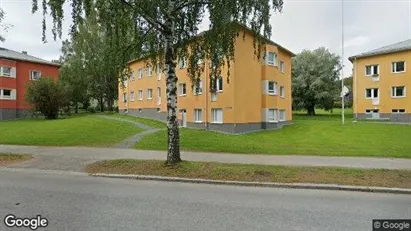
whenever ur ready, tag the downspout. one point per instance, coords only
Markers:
(356, 88)
(206, 95)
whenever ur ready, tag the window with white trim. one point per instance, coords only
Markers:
(5, 93)
(183, 62)
(158, 72)
(213, 97)
(398, 67)
(220, 83)
(282, 91)
(217, 115)
(125, 97)
(282, 115)
(5, 71)
(140, 94)
(371, 70)
(398, 111)
(183, 89)
(272, 58)
(272, 115)
(34, 75)
(198, 90)
(282, 67)
(150, 71)
(140, 73)
(398, 91)
(132, 76)
(272, 87)
(370, 111)
(149, 93)
(198, 115)
(132, 95)
(371, 93)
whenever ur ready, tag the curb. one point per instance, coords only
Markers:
(261, 184)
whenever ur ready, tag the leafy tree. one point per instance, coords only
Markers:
(47, 96)
(3, 27)
(314, 74)
(167, 30)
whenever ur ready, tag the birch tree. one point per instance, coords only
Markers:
(167, 30)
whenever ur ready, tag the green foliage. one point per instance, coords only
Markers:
(47, 96)
(314, 77)
(3, 27)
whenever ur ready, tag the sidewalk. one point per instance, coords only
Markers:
(69, 158)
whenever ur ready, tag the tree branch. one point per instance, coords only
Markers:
(188, 3)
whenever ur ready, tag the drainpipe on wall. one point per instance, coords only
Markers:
(205, 94)
(356, 87)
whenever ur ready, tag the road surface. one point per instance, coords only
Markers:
(87, 203)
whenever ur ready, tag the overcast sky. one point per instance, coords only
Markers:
(303, 24)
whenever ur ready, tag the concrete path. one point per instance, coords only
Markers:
(80, 156)
(131, 141)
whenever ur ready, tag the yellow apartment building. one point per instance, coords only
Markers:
(258, 95)
(380, 83)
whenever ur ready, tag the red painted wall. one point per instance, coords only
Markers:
(19, 83)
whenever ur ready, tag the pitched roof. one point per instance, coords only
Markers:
(14, 55)
(396, 47)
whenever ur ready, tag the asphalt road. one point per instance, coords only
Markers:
(87, 203)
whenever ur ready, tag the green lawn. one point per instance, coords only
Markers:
(69, 131)
(148, 122)
(320, 135)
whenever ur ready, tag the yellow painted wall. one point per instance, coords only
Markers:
(387, 80)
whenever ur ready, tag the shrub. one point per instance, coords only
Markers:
(47, 96)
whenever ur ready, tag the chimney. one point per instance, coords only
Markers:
(24, 52)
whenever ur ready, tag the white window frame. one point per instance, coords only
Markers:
(372, 93)
(150, 71)
(149, 93)
(371, 111)
(272, 115)
(279, 115)
(31, 74)
(159, 72)
(140, 95)
(213, 97)
(140, 73)
(394, 67)
(2, 96)
(198, 115)
(282, 91)
(397, 111)
(282, 67)
(272, 62)
(181, 87)
(220, 87)
(372, 70)
(273, 91)
(2, 73)
(214, 114)
(394, 92)
(200, 88)
(125, 97)
(132, 76)
(183, 62)
(132, 96)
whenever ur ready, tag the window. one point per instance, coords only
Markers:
(149, 93)
(272, 58)
(6, 93)
(183, 89)
(217, 115)
(140, 73)
(5, 71)
(150, 71)
(282, 115)
(132, 76)
(272, 115)
(282, 67)
(125, 97)
(132, 95)
(369, 111)
(140, 94)
(213, 97)
(183, 62)
(372, 70)
(272, 88)
(158, 96)
(34, 75)
(398, 67)
(398, 111)
(398, 92)
(282, 91)
(371, 93)
(198, 115)
(219, 84)
(199, 90)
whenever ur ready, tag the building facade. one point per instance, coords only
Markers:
(16, 70)
(258, 95)
(380, 83)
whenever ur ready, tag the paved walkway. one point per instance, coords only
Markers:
(131, 141)
(75, 158)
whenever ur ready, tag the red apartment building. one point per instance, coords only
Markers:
(16, 70)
